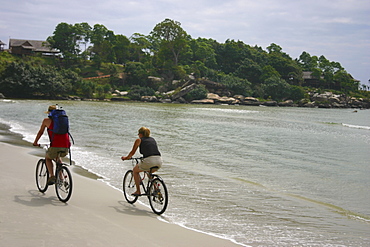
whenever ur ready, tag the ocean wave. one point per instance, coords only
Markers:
(7, 101)
(356, 126)
(28, 133)
(348, 213)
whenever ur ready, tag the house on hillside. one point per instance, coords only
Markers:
(2, 44)
(30, 47)
(310, 80)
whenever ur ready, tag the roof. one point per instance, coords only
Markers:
(35, 45)
(2, 43)
(307, 75)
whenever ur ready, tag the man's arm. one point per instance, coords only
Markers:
(45, 123)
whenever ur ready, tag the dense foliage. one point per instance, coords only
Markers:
(19, 79)
(168, 52)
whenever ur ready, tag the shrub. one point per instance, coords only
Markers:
(136, 92)
(200, 92)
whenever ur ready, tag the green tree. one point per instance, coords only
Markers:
(136, 92)
(288, 69)
(84, 31)
(136, 74)
(87, 88)
(169, 42)
(139, 47)
(235, 84)
(307, 62)
(345, 81)
(23, 80)
(267, 72)
(121, 49)
(65, 38)
(172, 37)
(249, 70)
(203, 51)
(274, 48)
(276, 88)
(230, 55)
(103, 41)
(296, 93)
(200, 92)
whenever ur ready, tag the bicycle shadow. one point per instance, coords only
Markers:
(131, 209)
(37, 199)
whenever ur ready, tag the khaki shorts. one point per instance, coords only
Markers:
(148, 162)
(53, 152)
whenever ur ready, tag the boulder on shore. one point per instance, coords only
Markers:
(270, 103)
(203, 101)
(149, 98)
(286, 103)
(213, 96)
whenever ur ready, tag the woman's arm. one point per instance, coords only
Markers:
(133, 150)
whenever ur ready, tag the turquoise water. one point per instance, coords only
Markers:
(259, 176)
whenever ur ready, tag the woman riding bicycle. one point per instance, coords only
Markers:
(151, 156)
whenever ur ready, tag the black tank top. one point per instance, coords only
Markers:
(148, 147)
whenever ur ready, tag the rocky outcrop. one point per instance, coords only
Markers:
(270, 103)
(203, 101)
(330, 100)
(183, 91)
(119, 93)
(149, 98)
(218, 94)
(286, 103)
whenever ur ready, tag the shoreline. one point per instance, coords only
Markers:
(324, 104)
(96, 215)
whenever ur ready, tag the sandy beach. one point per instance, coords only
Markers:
(96, 215)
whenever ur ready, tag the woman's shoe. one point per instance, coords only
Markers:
(51, 180)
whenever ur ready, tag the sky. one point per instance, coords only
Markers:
(337, 29)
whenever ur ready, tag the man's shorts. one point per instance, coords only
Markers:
(148, 162)
(53, 152)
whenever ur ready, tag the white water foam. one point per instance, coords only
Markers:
(356, 126)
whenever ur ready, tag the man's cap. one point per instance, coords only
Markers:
(52, 107)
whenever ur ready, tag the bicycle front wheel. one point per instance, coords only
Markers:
(42, 176)
(63, 184)
(158, 196)
(128, 187)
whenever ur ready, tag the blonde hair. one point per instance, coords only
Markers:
(144, 131)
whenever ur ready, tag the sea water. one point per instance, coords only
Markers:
(259, 176)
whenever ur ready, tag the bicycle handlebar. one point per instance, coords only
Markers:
(43, 146)
(135, 158)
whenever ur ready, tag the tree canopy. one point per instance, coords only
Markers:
(169, 52)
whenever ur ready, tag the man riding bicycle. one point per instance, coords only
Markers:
(58, 143)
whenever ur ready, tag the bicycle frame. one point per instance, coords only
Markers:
(150, 177)
(63, 184)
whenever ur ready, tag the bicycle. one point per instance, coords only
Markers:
(155, 188)
(63, 183)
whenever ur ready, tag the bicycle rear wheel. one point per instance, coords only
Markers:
(42, 176)
(128, 187)
(158, 196)
(63, 184)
